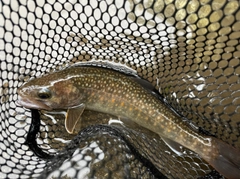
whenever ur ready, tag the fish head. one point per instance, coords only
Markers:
(48, 93)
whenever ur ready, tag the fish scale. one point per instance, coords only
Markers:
(114, 93)
(140, 101)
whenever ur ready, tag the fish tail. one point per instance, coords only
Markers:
(227, 160)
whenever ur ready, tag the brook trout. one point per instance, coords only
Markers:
(108, 91)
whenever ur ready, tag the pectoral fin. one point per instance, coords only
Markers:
(72, 117)
(174, 146)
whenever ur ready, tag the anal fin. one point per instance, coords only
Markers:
(174, 146)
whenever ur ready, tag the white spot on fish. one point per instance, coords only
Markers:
(115, 121)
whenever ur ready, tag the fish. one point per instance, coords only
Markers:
(104, 90)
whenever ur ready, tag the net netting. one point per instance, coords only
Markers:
(189, 50)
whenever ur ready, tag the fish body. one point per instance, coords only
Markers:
(111, 92)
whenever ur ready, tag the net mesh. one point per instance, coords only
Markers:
(189, 50)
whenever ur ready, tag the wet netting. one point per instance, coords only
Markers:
(188, 50)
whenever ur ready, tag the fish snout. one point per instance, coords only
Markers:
(32, 103)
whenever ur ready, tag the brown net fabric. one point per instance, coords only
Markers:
(189, 50)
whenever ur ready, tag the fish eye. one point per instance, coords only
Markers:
(44, 94)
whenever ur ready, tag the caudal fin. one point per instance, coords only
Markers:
(227, 162)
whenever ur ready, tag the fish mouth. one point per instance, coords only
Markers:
(32, 104)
